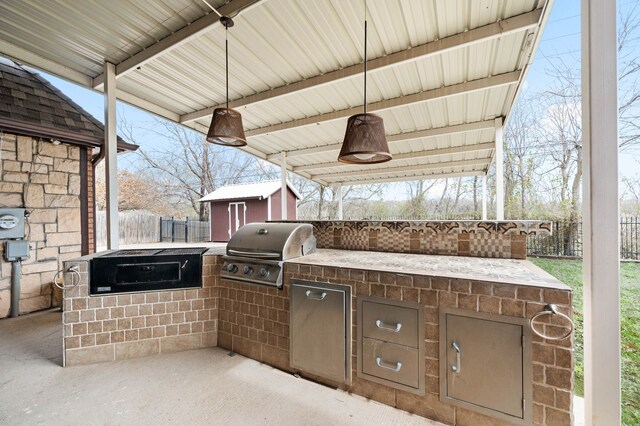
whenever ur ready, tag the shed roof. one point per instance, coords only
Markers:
(247, 191)
(441, 72)
(31, 105)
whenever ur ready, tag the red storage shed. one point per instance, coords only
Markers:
(233, 206)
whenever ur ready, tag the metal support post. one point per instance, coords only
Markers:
(111, 151)
(601, 230)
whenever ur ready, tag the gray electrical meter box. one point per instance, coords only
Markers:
(11, 223)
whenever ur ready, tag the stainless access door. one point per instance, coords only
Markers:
(484, 364)
(319, 329)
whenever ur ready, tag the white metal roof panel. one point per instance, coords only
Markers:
(277, 45)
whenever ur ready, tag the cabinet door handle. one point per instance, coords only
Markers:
(457, 367)
(315, 296)
(394, 329)
(386, 366)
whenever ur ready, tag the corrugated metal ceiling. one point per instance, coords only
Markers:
(295, 70)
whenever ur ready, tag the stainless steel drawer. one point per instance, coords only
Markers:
(391, 323)
(396, 363)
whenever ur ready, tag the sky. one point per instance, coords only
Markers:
(560, 40)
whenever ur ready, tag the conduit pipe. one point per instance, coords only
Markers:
(16, 273)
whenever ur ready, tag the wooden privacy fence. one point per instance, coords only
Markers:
(566, 240)
(141, 228)
(135, 228)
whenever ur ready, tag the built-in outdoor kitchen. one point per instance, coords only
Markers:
(447, 320)
(403, 111)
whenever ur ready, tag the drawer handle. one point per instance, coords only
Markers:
(457, 367)
(386, 366)
(395, 329)
(315, 296)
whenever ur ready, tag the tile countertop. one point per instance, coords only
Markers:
(216, 251)
(507, 271)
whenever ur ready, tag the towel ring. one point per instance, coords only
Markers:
(73, 270)
(551, 309)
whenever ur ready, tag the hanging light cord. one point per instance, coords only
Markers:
(365, 56)
(226, 55)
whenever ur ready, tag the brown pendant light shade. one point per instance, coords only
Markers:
(364, 141)
(226, 124)
(226, 128)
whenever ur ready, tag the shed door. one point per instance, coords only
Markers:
(488, 371)
(237, 217)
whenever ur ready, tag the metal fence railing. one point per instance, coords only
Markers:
(142, 228)
(566, 240)
(188, 231)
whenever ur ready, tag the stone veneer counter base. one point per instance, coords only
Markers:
(253, 320)
(110, 327)
(508, 271)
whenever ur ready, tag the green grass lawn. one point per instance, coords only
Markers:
(570, 273)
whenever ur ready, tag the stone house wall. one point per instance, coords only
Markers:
(45, 179)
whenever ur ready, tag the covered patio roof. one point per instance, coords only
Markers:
(440, 73)
(444, 76)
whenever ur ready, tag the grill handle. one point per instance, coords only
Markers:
(253, 254)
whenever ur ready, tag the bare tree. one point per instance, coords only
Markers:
(189, 167)
(416, 206)
(521, 150)
(321, 202)
(630, 197)
(629, 78)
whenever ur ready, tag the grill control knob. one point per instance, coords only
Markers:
(264, 272)
(232, 268)
(247, 270)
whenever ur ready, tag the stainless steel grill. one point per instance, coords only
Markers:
(256, 252)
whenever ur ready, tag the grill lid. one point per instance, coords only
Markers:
(275, 241)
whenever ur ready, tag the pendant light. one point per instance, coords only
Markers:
(364, 140)
(226, 124)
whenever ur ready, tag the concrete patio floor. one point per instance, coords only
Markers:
(196, 387)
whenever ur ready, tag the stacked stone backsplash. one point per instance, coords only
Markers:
(507, 240)
(45, 179)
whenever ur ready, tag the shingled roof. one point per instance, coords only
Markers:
(30, 105)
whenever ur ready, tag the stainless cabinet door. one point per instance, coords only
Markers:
(318, 331)
(484, 363)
